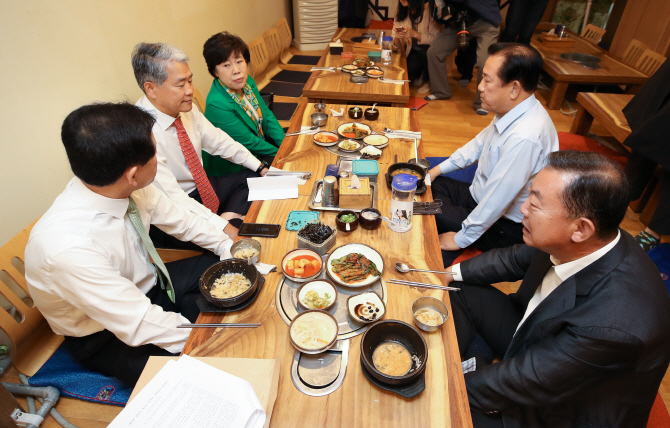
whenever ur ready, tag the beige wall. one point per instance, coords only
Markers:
(59, 55)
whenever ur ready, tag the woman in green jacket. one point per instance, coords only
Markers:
(235, 105)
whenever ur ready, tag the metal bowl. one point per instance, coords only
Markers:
(430, 303)
(243, 244)
(402, 333)
(320, 107)
(423, 163)
(228, 266)
(319, 119)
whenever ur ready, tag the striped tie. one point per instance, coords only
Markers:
(207, 194)
(136, 220)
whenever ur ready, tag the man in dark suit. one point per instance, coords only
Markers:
(585, 339)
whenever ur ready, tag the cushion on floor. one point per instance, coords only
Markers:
(658, 418)
(466, 174)
(284, 89)
(74, 380)
(661, 258)
(380, 25)
(284, 111)
(304, 59)
(568, 141)
(415, 103)
(291, 76)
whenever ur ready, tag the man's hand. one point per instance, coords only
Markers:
(434, 173)
(231, 231)
(447, 242)
(264, 171)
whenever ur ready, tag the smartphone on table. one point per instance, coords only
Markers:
(259, 229)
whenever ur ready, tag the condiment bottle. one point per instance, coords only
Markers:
(402, 202)
(387, 45)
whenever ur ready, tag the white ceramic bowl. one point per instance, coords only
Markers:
(300, 252)
(321, 287)
(368, 252)
(366, 307)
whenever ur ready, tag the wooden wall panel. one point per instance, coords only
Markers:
(647, 21)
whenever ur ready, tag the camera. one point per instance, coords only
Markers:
(462, 34)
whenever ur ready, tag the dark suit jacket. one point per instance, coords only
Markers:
(592, 354)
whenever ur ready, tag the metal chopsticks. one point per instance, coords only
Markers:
(421, 284)
(217, 325)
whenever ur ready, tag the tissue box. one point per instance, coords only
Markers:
(336, 48)
(355, 199)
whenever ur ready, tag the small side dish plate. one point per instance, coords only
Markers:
(369, 252)
(325, 289)
(364, 130)
(376, 140)
(324, 136)
(351, 146)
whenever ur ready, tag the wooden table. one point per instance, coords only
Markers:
(334, 86)
(564, 72)
(357, 402)
(607, 108)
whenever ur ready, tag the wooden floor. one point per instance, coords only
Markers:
(446, 126)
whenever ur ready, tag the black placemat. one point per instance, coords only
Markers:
(284, 111)
(359, 39)
(408, 390)
(284, 89)
(304, 59)
(205, 306)
(291, 76)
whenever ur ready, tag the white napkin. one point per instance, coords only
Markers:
(427, 181)
(397, 82)
(306, 131)
(355, 182)
(399, 133)
(264, 268)
(336, 114)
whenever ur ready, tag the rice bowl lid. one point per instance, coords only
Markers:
(365, 167)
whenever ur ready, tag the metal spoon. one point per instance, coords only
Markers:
(402, 267)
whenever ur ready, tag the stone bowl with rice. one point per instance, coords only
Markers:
(229, 282)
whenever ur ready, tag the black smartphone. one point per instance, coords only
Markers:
(260, 229)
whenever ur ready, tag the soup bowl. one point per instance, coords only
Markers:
(399, 332)
(396, 166)
(223, 267)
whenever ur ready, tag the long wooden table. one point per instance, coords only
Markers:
(357, 402)
(564, 72)
(334, 86)
(607, 108)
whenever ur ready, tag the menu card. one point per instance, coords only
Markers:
(188, 392)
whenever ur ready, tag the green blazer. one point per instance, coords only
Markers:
(224, 113)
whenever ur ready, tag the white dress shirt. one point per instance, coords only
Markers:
(87, 269)
(510, 151)
(173, 176)
(560, 272)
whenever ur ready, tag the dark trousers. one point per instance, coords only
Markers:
(639, 172)
(484, 312)
(417, 62)
(458, 203)
(522, 18)
(466, 59)
(232, 191)
(104, 353)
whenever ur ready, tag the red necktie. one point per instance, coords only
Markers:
(207, 194)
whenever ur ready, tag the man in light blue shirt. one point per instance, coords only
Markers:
(510, 152)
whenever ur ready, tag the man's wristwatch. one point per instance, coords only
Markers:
(262, 167)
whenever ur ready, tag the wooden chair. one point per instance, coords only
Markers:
(199, 100)
(260, 60)
(33, 341)
(593, 34)
(274, 48)
(633, 52)
(649, 62)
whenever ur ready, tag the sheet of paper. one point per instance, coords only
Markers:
(271, 188)
(190, 393)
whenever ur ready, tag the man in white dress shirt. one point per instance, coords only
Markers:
(89, 258)
(510, 152)
(181, 133)
(584, 339)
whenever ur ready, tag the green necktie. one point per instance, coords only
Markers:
(136, 220)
